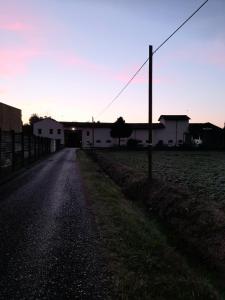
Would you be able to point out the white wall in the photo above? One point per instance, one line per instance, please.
(45, 126)
(140, 134)
(174, 130)
(102, 137)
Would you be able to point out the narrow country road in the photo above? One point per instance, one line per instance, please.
(48, 241)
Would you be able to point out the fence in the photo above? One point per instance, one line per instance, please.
(19, 149)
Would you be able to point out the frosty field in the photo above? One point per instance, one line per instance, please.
(202, 174)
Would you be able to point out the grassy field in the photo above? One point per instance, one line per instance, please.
(187, 197)
(200, 173)
(142, 263)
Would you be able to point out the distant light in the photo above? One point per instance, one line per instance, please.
(73, 128)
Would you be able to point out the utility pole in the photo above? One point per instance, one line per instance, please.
(150, 117)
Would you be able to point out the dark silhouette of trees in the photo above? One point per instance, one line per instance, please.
(34, 118)
(120, 129)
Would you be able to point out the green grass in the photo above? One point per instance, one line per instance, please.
(200, 173)
(142, 263)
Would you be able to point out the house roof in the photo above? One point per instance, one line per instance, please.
(86, 124)
(145, 125)
(109, 125)
(203, 126)
(174, 117)
(45, 119)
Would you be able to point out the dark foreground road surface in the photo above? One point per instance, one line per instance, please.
(48, 242)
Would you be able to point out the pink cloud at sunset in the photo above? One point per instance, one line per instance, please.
(15, 26)
(106, 72)
(16, 57)
(75, 60)
(14, 62)
(36, 42)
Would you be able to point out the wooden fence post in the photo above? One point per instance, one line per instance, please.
(35, 147)
(22, 148)
(37, 143)
(42, 146)
(0, 152)
(13, 149)
(29, 147)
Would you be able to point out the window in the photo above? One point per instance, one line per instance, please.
(180, 142)
(88, 133)
(98, 141)
(108, 141)
(59, 131)
(51, 131)
(39, 131)
(170, 142)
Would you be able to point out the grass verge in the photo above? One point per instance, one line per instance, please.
(143, 265)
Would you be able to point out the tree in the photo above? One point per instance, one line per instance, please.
(120, 129)
(34, 118)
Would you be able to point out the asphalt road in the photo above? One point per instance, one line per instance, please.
(49, 245)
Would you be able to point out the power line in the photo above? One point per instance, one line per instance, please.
(136, 73)
(126, 85)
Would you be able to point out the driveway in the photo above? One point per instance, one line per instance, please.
(49, 245)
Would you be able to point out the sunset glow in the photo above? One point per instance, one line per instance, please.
(68, 59)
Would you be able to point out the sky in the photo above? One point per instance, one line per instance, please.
(69, 58)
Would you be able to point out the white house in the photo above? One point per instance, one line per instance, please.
(52, 129)
(86, 134)
(175, 129)
(171, 131)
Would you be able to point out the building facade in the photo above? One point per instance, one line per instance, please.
(10, 118)
(170, 131)
(206, 135)
(175, 129)
(49, 128)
